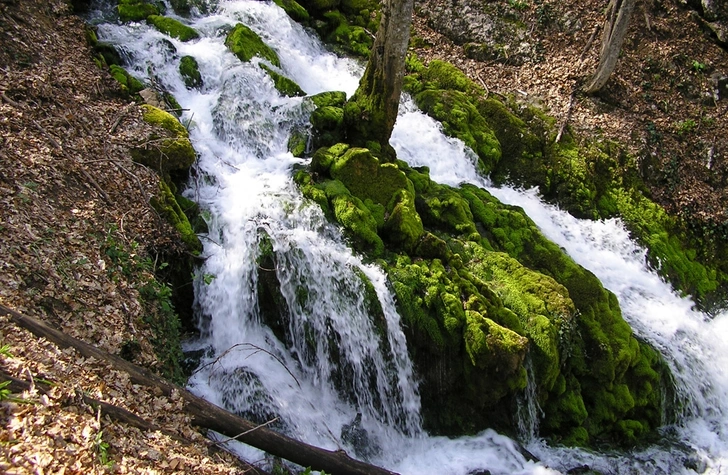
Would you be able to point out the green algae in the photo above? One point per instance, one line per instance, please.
(166, 205)
(294, 10)
(245, 44)
(173, 28)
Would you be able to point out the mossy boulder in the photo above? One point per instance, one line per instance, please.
(284, 85)
(129, 84)
(294, 10)
(167, 149)
(173, 28)
(136, 10)
(189, 69)
(245, 44)
(327, 118)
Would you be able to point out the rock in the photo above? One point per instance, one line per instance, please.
(136, 10)
(190, 71)
(358, 438)
(173, 27)
(245, 43)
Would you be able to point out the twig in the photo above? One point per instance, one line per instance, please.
(121, 116)
(50, 138)
(10, 101)
(589, 42)
(96, 185)
(224, 353)
(487, 91)
(572, 99)
(224, 441)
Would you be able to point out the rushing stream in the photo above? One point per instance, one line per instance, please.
(240, 125)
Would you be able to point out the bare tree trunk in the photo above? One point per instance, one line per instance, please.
(615, 27)
(371, 113)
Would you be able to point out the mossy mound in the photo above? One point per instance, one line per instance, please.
(327, 118)
(479, 289)
(245, 43)
(173, 27)
(189, 69)
(373, 201)
(136, 10)
(168, 150)
(129, 84)
(284, 85)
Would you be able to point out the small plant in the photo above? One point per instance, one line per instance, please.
(518, 4)
(686, 126)
(698, 67)
(102, 449)
(5, 351)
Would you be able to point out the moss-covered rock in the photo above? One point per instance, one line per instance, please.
(167, 150)
(129, 84)
(190, 72)
(173, 27)
(294, 10)
(245, 43)
(284, 85)
(166, 205)
(136, 10)
(460, 118)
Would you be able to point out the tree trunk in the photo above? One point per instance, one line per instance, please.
(208, 415)
(370, 114)
(615, 27)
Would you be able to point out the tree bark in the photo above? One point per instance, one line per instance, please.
(615, 27)
(370, 114)
(208, 415)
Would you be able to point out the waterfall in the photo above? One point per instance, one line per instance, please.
(330, 360)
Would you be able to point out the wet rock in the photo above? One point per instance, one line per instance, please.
(358, 438)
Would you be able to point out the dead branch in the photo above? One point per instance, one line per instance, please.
(206, 414)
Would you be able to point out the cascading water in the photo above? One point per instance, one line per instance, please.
(331, 359)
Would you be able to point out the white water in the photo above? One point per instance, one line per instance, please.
(240, 127)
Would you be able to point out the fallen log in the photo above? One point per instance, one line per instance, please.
(208, 415)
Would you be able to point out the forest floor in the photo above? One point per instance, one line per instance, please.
(660, 102)
(71, 200)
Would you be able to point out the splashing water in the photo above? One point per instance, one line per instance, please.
(338, 352)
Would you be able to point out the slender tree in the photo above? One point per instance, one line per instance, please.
(615, 27)
(370, 114)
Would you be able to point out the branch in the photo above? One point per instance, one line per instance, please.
(206, 414)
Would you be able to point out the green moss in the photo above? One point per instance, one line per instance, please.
(329, 98)
(129, 84)
(284, 85)
(245, 43)
(344, 35)
(166, 205)
(136, 10)
(190, 72)
(166, 151)
(298, 143)
(461, 119)
(294, 10)
(354, 216)
(173, 27)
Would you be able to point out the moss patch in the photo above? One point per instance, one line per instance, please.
(245, 43)
(168, 150)
(136, 10)
(173, 27)
(284, 85)
(190, 72)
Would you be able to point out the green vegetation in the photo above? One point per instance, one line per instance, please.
(245, 44)
(190, 71)
(129, 84)
(173, 27)
(136, 10)
(284, 85)
(160, 315)
(168, 150)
